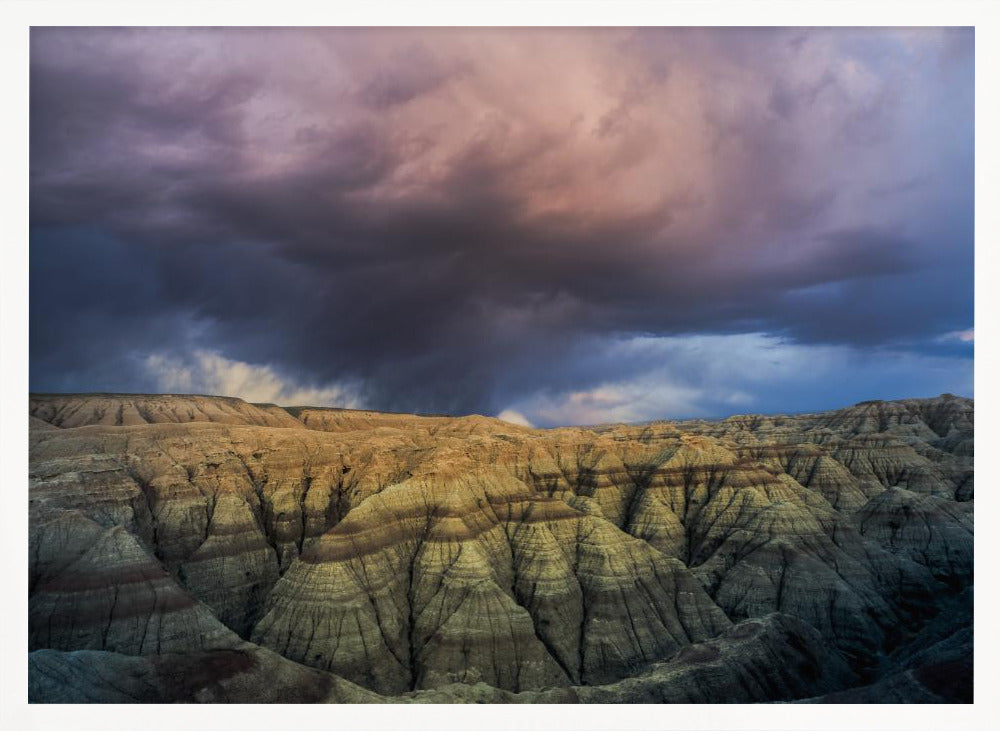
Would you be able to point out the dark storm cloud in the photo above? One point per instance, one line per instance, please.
(448, 217)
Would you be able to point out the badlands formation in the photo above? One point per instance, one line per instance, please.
(204, 549)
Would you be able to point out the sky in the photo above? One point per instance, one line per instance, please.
(554, 226)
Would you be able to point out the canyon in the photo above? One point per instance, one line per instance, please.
(187, 548)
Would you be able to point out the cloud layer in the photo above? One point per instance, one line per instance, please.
(452, 220)
(209, 373)
(692, 376)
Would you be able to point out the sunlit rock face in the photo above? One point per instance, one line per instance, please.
(189, 548)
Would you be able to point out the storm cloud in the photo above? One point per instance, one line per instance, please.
(481, 220)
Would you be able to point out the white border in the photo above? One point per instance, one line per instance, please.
(16, 16)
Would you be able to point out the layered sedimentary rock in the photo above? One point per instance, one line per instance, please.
(774, 658)
(109, 409)
(242, 674)
(113, 596)
(935, 667)
(925, 445)
(928, 529)
(451, 580)
(410, 555)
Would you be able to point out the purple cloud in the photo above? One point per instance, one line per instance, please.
(442, 215)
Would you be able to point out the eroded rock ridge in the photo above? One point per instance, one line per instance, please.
(198, 548)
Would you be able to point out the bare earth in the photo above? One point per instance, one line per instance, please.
(203, 549)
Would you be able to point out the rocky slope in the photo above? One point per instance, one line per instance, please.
(191, 547)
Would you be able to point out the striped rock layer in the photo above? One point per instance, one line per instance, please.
(362, 556)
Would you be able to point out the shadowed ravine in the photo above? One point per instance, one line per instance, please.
(199, 548)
